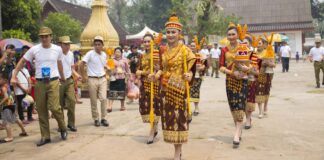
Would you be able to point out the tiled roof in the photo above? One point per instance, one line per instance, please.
(281, 27)
(270, 14)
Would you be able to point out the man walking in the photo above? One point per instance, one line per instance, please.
(96, 64)
(285, 53)
(48, 61)
(67, 92)
(215, 53)
(316, 55)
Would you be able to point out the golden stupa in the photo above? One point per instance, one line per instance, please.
(99, 25)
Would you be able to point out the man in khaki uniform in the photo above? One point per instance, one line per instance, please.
(316, 55)
(48, 61)
(67, 92)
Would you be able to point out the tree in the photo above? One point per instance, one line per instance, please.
(21, 14)
(317, 10)
(20, 34)
(62, 24)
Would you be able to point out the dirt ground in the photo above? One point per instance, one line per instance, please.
(294, 129)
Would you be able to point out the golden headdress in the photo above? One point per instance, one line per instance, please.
(148, 34)
(199, 44)
(158, 38)
(269, 50)
(255, 41)
(174, 23)
(242, 31)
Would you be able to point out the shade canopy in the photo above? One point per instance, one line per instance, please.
(141, 34)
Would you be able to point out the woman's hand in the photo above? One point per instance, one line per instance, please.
(187, 76)
(151, 77)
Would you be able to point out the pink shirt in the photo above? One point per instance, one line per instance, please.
(121, 68)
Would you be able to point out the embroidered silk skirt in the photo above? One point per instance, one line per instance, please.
(237, 91)
(144, 101)
(250, 106)
(175, 117)
(195, 90)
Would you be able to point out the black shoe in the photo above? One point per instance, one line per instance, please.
(323, 83)
(217, 76)
(64, 135)
(104, 123)
(96, 123)
(247, 127)
(196, 113)
(43, 142)
(236, 144)
(155, 134)
(149, 142)
(318, 86)
(72, 129)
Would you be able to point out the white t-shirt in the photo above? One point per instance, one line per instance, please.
(205, 52)
(317, 53)
(68, 62)
(96, 63)
(215, 53)
(22, 77)
(285, 50)
(45, 59)
(125, 54)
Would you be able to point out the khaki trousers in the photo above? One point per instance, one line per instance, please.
(67, 100)
(98, 89)
(47, 98)
(318, 66)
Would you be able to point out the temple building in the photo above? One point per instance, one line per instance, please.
(289, 17)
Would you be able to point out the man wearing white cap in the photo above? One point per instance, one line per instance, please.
(97, 82)
(316, 55)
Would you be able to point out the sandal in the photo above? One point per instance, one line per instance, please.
(109, 110)
(122, 109)
(23, 134)
(5, 141)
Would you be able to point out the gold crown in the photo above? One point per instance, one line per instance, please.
(231, 24)
(269, 50)
(241, 31)
(199, 44)
(173, 23)
(242, 53)
(255, 41)
(158, 38)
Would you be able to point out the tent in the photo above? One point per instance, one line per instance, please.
(141, 34)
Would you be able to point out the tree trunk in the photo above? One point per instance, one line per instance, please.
(0, 22)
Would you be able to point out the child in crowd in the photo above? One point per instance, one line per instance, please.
(8, 110)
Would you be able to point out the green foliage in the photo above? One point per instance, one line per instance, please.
(62, 24)
(200, 17)
(20, 34)
(21, 14)
(317, 10)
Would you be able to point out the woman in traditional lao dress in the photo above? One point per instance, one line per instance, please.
(143, 73)
(236, 86)
(266, 55)
(252, 83)
(175, 112)
(201, 63)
